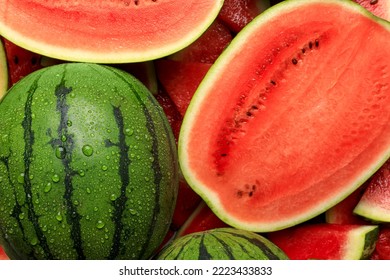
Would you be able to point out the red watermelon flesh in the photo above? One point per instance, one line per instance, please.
(174, 117)
(342, 213)
(3, 256)
(236, 14)
(187, 201)
(326, 241)
(180, 80)
(21, 62)
(208, 46)
(382, 248)
(375, 201)
(201, 219)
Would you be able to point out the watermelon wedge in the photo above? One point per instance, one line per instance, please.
(327, 241)
(295, 122)
(106, 31)
(375, 201)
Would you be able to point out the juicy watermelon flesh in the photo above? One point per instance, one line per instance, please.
(375, 201)
(236, 14)
(180, 80)
(382, 247)
(326, 241)
(294, 128)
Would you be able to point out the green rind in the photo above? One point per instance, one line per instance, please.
(222, 244)
(3, 71)
(116, 203)
(211, 198)
(372, 212)
(361, 243)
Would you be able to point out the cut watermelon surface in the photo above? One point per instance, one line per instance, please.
(291, 130)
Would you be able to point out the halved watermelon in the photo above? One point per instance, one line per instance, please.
(292, 117)
(327, 241)
(375, 201)
(106, 31)
(3, 71)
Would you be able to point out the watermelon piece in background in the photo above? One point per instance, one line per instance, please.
(3, 255)
(326, 241)
(207, 47)
(375, 201)
(342, 213)
(21, 62)
(236, 14)
(382, 248)
(187, 201)
(174, 117)
(201, 219)
(180, 80)
(380, 8)
(3, 71)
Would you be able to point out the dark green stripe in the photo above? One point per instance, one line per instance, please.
(155, 165)
(72, 216)
(226, 247)
(28, 154)
(203, 253)
(120, 203)
(261, 245)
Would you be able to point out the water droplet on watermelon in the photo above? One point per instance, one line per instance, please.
(87, 150)
(95, 209)
(34, 241)
(100, 224)
(112, 197)
(55, 178)
(21, 216)
(21, 178)
(88, 190)
(132, 211)
(81, 173)
(64, 138)
(129, 131)
(59, 217)
(104, 167)
(44, 228)
(60, 152)
(69, 123)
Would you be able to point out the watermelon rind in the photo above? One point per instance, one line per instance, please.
(222, 244)
(3, 71)
(372, 212)
(361, 242)
(79, 33)
(200, 98)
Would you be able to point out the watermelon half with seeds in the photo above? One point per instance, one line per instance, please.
(296, 120)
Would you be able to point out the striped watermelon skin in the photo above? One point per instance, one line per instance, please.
(222, 244)
(88, 166)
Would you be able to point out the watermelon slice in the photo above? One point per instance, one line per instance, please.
(382, 247)
(296, 120)
(375, 201)
(20, 61)
(106, 31)
(180, 80)
(342, 213)
(327, 241)
(208, 47)
(3, 71)
(236, 14)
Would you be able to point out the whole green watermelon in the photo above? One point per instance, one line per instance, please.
(88, 166)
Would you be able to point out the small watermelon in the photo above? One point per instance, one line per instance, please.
(327, 241)
(88, 166)
(221, 244)
(375, 201)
